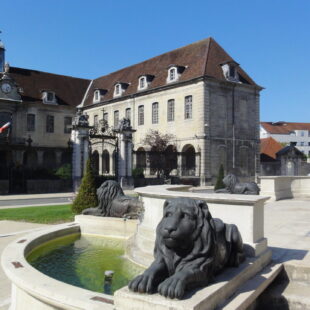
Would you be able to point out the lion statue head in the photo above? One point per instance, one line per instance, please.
(230, 181)
(190, 248)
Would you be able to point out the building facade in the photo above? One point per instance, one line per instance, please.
(38, 108)
(287, 133)
(196, 93)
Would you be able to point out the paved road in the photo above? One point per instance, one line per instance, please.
(16, 203)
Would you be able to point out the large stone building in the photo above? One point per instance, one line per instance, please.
(197, 93)
(39, 108)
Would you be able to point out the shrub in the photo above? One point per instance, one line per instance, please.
(64, 172)
(138, 173)
(219, 181)
(87, 196)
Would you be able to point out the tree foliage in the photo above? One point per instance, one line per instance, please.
(219, 181)
(87, 196)
(158, 144)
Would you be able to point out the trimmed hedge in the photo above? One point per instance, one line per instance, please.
(87, 196)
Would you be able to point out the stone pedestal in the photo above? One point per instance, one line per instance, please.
(125, 154)
(80, 144)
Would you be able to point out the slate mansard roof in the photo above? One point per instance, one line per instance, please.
(202, 58)
(68, 90)
(284, 128)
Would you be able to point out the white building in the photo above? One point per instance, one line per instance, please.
(285, 132)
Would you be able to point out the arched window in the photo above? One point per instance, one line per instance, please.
(189, 160)
(141, 158)
(30, 159)
(95, 162)
(105, 162)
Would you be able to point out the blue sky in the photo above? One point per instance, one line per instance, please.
(269, 38)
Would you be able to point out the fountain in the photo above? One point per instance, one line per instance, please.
(32, 289)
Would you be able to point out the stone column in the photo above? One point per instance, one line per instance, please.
(134, 159)
(122, 155)
(80, 140)
(197, 162)
(147, 163)
(180, 164)
(125, 159)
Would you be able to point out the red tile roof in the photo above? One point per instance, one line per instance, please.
(68, 90)
(203, 58)
(284, 127)
(270, 147)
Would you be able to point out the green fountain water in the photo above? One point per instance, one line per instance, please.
(83, 260)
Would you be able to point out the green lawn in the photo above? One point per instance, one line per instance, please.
(42, 214)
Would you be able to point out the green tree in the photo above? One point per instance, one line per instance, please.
(219, 181)
(158, 143)
(87, 196)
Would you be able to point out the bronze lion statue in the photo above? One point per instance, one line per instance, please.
(113, 202)
(232, 186)
(190, 249)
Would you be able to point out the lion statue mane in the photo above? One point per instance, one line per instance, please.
(232, 186)
(190, 249)
(113, 202)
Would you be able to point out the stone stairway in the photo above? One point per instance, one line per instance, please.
(290, 290)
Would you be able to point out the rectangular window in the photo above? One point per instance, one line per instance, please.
(49, 123)
(116, 118)
(170, 110)
(188, 107)
(301, 143)
(172, 74)
(128, 113)
(31, 122)
(67, 124)
(105, 117)
(50, 96)
(155, 113)
(95, 120)
(302, 133)
(142, 82)
(141, 115)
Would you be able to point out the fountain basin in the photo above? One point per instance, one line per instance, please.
(32, 289)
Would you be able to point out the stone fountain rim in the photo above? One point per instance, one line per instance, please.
(170, 191)
(41, 286)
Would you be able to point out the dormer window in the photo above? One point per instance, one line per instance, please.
(230, 71)
(119, 89)
(98, 95)
(144, 81)
(174, 73)
(49, 97)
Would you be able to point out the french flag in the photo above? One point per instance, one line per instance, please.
(5, 126)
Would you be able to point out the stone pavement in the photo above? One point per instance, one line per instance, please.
(9, 231)
(287, 227)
